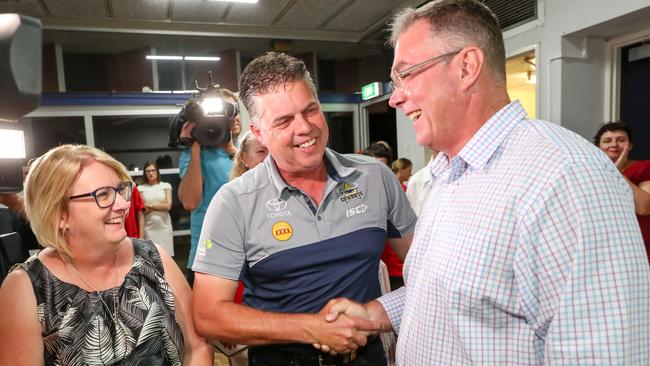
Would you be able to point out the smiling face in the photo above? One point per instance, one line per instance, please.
(427, 96)
(613, 143)
(292, 126)
(87, 221)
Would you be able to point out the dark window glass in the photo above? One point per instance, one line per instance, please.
(134, 140)
(170, 75)
(86, 72)
(44, 133)
(341, 125)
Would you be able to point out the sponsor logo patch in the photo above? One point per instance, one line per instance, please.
(349, 191)
(276, 204)
(356, 210)
(208, 244)
(282, 231)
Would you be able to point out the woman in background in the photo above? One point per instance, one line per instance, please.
(157, 202)
(403, 169)
(250, 153)
(615, 140)
(93, 296)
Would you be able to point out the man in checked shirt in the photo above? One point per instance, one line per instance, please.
(527, 251)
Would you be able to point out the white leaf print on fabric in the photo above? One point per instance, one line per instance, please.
(98, 348)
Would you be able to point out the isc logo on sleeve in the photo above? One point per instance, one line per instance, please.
(282, 231)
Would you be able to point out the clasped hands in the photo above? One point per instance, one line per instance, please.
(344, 326)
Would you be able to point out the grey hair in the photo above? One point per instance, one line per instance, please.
(461, 22)
(267, 73)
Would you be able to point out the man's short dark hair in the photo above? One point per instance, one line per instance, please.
(266, 74)
(611, 127)
(379, 150)
(461, 22)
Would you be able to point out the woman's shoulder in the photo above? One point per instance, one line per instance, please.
(32, 266)
(165, 185)
(148, 251)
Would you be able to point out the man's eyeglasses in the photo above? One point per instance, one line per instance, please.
(105, 196)
(398, 77)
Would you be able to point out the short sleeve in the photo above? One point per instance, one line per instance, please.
(221, 249)
(165, 185)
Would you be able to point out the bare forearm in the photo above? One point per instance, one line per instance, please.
(202, 355)
(239, 324)
(401, 245)
(191, 186)
(162, 206)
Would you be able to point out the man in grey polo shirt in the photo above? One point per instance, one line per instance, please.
(306, 226)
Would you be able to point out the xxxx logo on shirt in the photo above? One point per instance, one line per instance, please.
(282, 231)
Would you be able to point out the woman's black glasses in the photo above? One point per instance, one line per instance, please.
(105, 196)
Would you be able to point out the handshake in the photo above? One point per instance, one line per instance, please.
(345, 325)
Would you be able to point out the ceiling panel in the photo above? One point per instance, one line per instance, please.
(309, 14)
(77, 8)
(262, 13)
(199, 11)
(363, 13)
(141, 9)
(26, 7)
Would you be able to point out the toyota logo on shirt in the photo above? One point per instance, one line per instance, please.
(276, 204)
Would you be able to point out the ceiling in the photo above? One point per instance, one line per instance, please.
(333, 28)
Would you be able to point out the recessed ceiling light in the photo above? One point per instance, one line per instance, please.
(161, 57)
(239, 1)
(202, 58)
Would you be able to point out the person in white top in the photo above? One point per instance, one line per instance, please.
(418, 187)
(157, 197)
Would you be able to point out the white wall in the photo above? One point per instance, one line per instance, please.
(572, 47)
(406, 142)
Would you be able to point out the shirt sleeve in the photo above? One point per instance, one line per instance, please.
(401, 218)
(183, 162)
(393, 303)
(220, 250)
(581, 270)
(165, 185)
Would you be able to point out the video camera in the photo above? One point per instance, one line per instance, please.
(211, 112)
(20, 92)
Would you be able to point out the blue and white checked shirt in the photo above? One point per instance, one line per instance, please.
(527, 252)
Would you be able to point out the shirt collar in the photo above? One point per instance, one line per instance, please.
(485, 142)
(335, 171)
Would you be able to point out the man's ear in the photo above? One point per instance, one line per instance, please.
(258, 134)
(472, 64)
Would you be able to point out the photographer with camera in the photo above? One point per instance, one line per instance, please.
(206, 164)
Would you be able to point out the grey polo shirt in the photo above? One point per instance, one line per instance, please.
(293, 256)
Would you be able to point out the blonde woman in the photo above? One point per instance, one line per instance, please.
(403, 169)
(250, 153)
(157, 197)
(93, 296)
